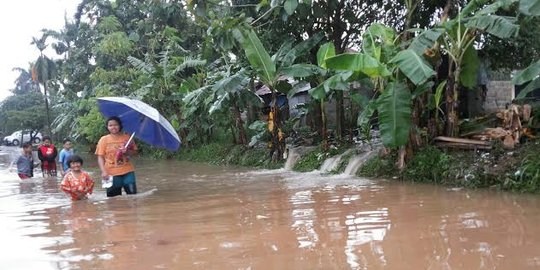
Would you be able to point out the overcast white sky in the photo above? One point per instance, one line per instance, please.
(20, 20)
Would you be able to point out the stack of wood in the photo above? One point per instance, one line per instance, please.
(509, 130)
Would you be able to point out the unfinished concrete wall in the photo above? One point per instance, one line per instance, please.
(499, 93)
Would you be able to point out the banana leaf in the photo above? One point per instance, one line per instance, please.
(394, 107)
(413, 66)
(257, 56)
(530, 7)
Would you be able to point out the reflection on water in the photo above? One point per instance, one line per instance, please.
(193, 216)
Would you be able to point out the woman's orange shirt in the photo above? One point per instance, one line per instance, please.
(108, 146)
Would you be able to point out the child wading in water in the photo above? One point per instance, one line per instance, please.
(47, 154)
(25, 162)
(77, 183)
(65, 153)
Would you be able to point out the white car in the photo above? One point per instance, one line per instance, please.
(15, 138)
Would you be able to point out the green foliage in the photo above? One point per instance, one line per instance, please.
(185, 61)
(109, 25)
(92, 125)
(414, 66)
(377, 38)
(45, 69)
(110, 78)
(358, 62)
(226, 154)
(22, 111)
(212, 153)
(116, 45)
(258, 56)
(259, 158)
(152, 152)
(429, 165)
(326, 51)
(310, 161)
(394, 106)
(345, 159)
(378, 167)
(499, 26)
(315, 158)
(529, 7)
(425, 40)
(518, 52)
(261, 133)
(526, 177)
(24, 83)
(527, 75)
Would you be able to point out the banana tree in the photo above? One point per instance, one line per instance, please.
(392, 72)
(325, 88)
(270, 70)
(531, 74)
(455, 38)
(160, 76)
(232, 93)
(197, 101)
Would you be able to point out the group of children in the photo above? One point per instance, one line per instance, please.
(76, 182)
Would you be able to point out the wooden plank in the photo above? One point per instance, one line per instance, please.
(461, 140)
(462, 145)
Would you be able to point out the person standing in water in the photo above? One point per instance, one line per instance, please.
(65, 153)
(113, 158)
(47, 155)
(25, 162)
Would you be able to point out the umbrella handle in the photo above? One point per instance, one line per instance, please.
(129, 141)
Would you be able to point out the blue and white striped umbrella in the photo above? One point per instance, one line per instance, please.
(141, 119)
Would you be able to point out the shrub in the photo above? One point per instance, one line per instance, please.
(310, 161)
(430, 165)
(378, 167)
(527, 176)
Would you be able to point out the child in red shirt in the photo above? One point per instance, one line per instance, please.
(77, 183)
(47, 155)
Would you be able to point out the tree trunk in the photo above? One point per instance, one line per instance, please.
(406, 151)
(233, 133)
(351, 123)
(47, 108)
(252, 115)
(278, 143)
(324, 133)
(451, 97)
(183, 132)
(242, 138)
(339, 114)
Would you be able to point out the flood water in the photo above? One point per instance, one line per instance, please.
(194, 216)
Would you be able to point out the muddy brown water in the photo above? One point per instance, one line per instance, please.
(195, 216)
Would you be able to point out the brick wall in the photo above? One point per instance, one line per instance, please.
(499, 93)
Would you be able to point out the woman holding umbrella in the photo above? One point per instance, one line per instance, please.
(113, 151)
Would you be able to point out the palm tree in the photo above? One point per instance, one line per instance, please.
(24, 83)
(43, 71)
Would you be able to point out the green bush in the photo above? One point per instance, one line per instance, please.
(226, 154)
(378, 167)
(429, 165)
(213, 153)
(310, 161)
(527, 175)
(345, 159)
